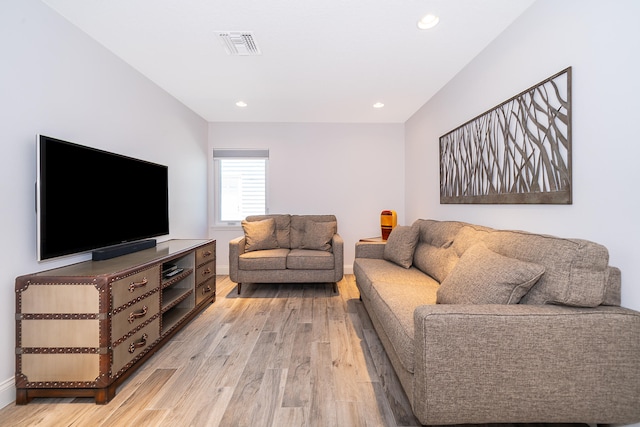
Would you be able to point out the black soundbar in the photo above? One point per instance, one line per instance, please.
(122, 249)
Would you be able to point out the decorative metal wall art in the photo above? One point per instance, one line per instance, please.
(516, 153)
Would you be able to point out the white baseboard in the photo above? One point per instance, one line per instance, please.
(7, 392)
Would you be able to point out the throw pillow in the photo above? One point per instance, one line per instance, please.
(259, 235)
(318, 235)
(485, 277)
(400, 245)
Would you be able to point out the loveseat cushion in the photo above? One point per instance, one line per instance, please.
(318, 235)
(299, 223)
(259, 235)
(269, 259)
(305, 259)
(400, 245)
(485, 277)
(283, 227)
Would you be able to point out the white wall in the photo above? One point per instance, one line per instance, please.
(600, 40)
(353, 171)
(56, 81)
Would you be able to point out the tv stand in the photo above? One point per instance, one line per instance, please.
(81, 330)
(122, 249)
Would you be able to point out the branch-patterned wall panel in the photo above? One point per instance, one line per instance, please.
(517, 152)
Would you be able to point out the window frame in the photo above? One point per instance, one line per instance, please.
(235, 154)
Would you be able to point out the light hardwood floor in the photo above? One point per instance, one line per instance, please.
(276, 355)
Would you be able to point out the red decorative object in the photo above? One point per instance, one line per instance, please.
(388, 221)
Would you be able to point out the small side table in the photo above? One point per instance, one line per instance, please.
(373, 240)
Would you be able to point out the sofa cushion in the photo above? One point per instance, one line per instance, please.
(394, 304)
(434, 254)
(260, 235)
(394, 292)
(434, 261)
(400, 245)
(576, 270)
(305, 259)
(369, 270)
(318, 235)
(485, 277)
(269, 259)
(438, 233)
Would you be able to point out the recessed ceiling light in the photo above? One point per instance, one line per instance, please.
(428, 21)
(378, 105)
(241, 104)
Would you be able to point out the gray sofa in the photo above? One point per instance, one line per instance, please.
(496, 326)
(287, 249)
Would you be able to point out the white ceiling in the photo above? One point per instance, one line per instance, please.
(321, 61)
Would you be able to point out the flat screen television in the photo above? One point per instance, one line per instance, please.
(89, 199)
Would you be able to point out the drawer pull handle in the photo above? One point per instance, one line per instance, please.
(135, 285)
(206, 289)
(207, 271)
(137, 314)
(207, 253)
(139, 343)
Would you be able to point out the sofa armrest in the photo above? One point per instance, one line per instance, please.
(236, 248)
(531, 363)
(370, 249)
(337, 246)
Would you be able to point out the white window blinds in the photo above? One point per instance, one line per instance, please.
(241, 183)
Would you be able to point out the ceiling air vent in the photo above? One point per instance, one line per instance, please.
(239, 43)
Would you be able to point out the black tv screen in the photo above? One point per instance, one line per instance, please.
(89, 198)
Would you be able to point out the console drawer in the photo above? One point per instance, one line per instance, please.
(131, 287)
(204, 273)
(205, 254)
(205, 290)
(135, 346)
(134, 315)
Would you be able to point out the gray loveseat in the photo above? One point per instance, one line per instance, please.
(287, 249)
(495, 326)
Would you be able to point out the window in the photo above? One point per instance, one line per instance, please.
(240, 184)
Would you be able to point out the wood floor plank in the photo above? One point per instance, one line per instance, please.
(394, 393)
(322, 411)
(290, 417)
(306, 304)
(297, 391)
(150, 417)
(249, 383)
(127, 413)
(203, 400)
(343, 365)
(375, 413)
(320, 320)
(285, 339)
(348, 414)
(178, 385)
(365, 360)
(268, 398)
(210, 415)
